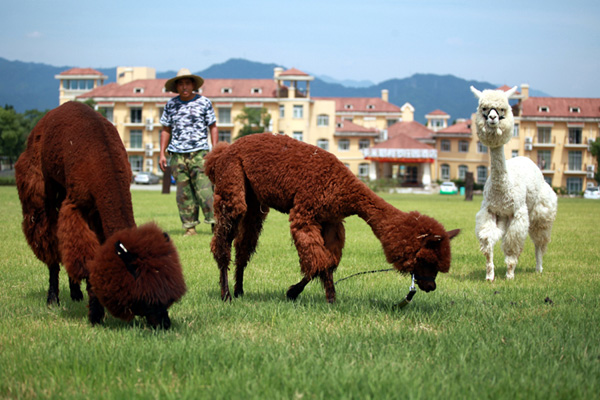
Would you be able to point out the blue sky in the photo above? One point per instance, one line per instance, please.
(554, 46)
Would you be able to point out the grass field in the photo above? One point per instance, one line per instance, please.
(537, 337)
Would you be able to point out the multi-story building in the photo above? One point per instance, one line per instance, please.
(344, 126)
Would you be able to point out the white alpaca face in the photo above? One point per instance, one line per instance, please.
(494, 119)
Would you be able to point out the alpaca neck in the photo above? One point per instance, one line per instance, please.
(376, 212)
(498, 173)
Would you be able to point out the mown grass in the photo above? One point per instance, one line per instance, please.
(536, 337)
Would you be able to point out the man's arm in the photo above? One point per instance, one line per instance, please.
(165, 137)
(214, 133)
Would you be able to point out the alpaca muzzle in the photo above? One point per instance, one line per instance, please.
(425, 283)
(127, 257)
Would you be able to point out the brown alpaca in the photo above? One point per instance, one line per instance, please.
(73, 181)
(265, 170)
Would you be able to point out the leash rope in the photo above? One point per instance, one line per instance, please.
(362, 273)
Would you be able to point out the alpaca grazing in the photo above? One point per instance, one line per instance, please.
(516, 199)
(73, 181)
(260, 171)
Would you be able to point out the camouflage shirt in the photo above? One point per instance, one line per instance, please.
(189, 122)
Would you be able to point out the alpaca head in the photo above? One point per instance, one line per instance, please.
(137, 272)
(419, 245)
(494, 118)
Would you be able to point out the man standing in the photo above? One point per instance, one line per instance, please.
(188, 120)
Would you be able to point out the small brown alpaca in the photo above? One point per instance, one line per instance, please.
(265, 170)
(73, 181)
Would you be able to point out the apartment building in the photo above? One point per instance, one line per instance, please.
(342, 126)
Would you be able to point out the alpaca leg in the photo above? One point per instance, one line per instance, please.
(541, 220)
(315, 258)
(95, 309)
(514, 240)
(77, 242)
(75, 290)
(246, 240)
(488, 234)
(334, 236)
(53, 284)
(295, 290)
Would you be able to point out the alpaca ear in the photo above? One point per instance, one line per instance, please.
(167, 237)
(453, 233)
(476, 92)
(510, 92)
(127, 258)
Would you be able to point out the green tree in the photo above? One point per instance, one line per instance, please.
(595, 149)
(255, 120)
(14, 129)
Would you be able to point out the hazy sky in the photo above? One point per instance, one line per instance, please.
(554, 46)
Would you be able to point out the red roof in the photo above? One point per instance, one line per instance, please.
(571, 107)
(293, 71)
(347, 126)
(438, 112)
(81, 71)
(402, 142)
(411, 129)
(462, 127)
(362, 104)
(505, 88)
(212, 88)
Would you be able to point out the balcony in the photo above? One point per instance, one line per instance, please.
(545, 168)
(574, 170)
(545, 144)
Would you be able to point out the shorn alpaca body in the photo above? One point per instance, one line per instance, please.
(263, 171)
(516, 199)
(73, 181)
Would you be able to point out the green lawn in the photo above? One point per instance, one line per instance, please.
(536, 337)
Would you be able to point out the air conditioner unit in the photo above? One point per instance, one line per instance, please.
(149, 146)
(149, 124)
(528, 140)
(149, 162)
(149, 149)
(591, 168)
(528, 147)
(590, 175)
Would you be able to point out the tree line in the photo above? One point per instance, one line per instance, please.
(14, 130)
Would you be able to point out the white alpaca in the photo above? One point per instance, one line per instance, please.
(516, 199)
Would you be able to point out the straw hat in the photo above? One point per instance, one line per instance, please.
(171, 85)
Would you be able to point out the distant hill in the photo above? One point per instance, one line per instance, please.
(28, 86)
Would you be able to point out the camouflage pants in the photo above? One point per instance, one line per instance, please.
(194, 189)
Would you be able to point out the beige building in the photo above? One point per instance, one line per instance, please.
(343, 126)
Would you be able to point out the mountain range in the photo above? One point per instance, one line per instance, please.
(27, 86)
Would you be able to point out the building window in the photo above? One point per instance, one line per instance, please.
(281, 111)
(298, 111)
(463, 146)
(137, 163)
(445, 172)
(348, 106)
(298, 136)
(78, 84)
(544, 134)
(574, 161)
(364, 144)
(574, 109)
(391, 122)
(544, 109)
(574, 135)
(370, 107)
(445, 145)
(135, 139)
(543, 159)
(224, 115)
(574, 185)
(135, 115)
(226, 90)
(516, 130)
(256, 90)
(514, 153)
(322, 120)
(481, 148)
(138, 90)
(462, 172)
(225, 136)
(481, 174)
(107, 112)
(344, 145)
(363, 170)
(323, 143)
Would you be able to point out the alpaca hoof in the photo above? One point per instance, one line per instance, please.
(292, 293)
(159, 321)
(76, 295)
(52, 299)
(510, 276)
(226, 296)
(238, 293)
